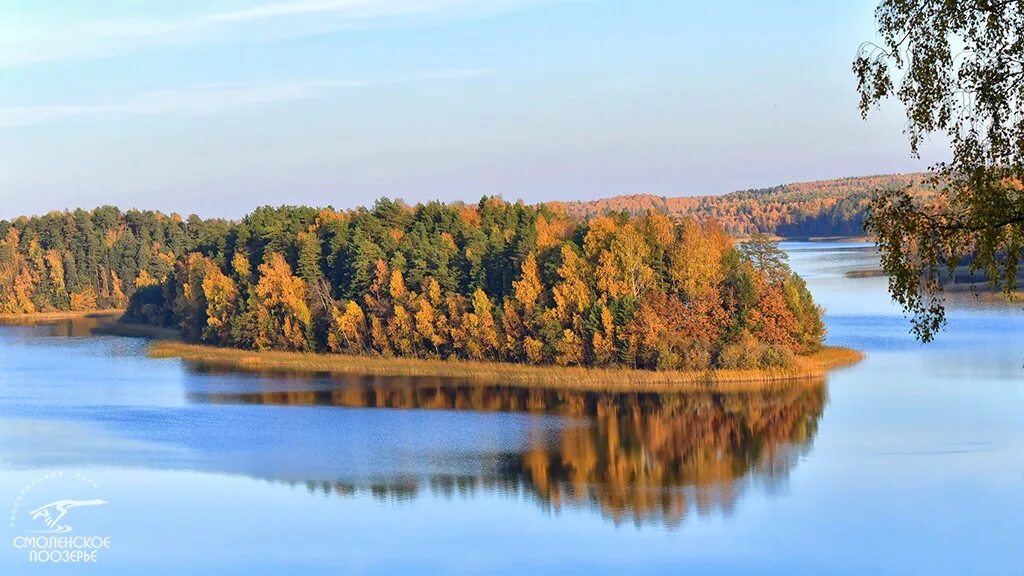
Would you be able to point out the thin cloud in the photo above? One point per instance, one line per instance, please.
(33, 41)
(307, 7)
(213, 99)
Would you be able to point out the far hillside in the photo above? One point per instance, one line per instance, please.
(807, 209)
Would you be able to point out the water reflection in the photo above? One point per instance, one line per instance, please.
(918, 461)
(646, 458)
(75, 326)
(638, 457)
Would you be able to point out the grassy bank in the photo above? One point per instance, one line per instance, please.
(808, 368)
(37, 317)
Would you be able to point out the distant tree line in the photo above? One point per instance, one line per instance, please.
(811, 209)
(491, 281)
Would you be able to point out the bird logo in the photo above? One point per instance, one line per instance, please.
(51, 514)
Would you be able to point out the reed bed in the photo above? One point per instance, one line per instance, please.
(808, 368)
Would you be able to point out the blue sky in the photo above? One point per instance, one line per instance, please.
(216, 107)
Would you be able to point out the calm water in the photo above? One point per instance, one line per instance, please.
(911, 462)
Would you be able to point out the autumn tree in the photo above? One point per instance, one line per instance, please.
(603, 337)
(620, 256)
(16, 283)
(348, 329)
(475, 335)
(572, 294)
(282, 315)
(401, 326)
(222, 299)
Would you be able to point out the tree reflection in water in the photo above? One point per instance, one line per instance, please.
(648, 458)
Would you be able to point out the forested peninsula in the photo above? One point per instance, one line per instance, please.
(487, 282)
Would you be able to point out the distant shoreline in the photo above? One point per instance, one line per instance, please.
(37, 317)
(817, 239)
(983, 292)
(980, 290)
(866, 273)
(808, 368)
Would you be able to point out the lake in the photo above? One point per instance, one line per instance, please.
(911, 462)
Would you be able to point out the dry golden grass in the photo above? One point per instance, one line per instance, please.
(37, 317)
(809, 368)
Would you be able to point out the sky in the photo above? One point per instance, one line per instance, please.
(219, 106)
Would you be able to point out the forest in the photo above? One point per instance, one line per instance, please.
(489, 281)
(808, 209)
(88, 260)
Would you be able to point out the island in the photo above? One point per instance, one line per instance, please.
(535, 295)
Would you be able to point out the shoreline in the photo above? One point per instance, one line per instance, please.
(57, 316)
(810, 368)
(167, 343)
(815, 239)
(980, 291)
(865, 273)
